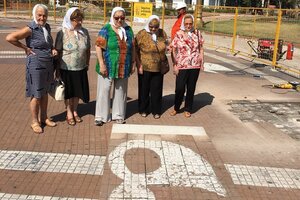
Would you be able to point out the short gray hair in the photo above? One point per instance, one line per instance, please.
(39, 6)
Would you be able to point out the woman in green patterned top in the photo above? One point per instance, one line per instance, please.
(115, 53)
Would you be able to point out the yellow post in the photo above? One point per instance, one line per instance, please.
(104, 11)
(196, 16)
(17, 7)
(253, 29)
(213, 29)
(234, 30)
(277, 38)
(163, 15)
(4, 4)
(54, 12)
(30, 14)
(79, 4)
(131, 13)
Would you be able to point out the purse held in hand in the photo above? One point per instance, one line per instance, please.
(59, 91)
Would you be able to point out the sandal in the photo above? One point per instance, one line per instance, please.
(144, 114)
(36, 128)
(49, 123)
(77, 119)
(71, 121)
(99, 123)
(187, 114)
(156, 116)
(121, 121)
(173, 112)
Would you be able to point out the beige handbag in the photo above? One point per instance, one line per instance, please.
(59, 91)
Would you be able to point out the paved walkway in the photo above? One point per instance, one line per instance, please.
(212, 155)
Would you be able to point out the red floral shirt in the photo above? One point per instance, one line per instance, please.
(188, 47)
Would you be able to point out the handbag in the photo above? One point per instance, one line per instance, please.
(59, 91)
(163, 63)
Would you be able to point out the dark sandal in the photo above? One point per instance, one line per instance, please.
(71, 121)
(77, 119)
(36, 128)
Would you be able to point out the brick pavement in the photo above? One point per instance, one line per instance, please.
(235, 160)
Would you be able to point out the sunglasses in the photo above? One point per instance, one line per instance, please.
(121, 17)
(153, 27)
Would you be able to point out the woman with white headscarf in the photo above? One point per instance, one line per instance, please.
(115, 53)
(73, 46)
(39, 65)
(187, 49)
(151, 45)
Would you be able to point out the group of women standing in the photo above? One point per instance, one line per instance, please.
(119, 53)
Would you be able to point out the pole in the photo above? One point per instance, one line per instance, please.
(104, 12)
(163, 15)
(277, 38)
(54, 12)
(4, 8)
(199, 3)
(30, 15)
(234, 30)
(131, 13)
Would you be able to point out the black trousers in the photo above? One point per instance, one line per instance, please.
(186, 80)
(150, 92)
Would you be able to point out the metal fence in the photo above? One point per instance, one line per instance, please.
(255, 33)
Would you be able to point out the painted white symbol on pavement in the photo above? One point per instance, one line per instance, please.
(180, 166)
(264, 176)
(51, 162)
(214, 68)
(7, 196)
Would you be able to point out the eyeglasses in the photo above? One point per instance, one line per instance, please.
(77, 20)
(153, 27)
(117, 18)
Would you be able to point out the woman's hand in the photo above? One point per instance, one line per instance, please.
(140, 69)
(29, 51)
(103, 69)
(175, 70)
(54, 52)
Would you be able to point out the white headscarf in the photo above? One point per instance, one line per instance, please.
(68, 24)
(45, 31)
(182, 23)
(154, 36)
(121, 30)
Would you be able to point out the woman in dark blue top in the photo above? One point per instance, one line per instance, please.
(39, 64)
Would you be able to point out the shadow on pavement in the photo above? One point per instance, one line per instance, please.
(201, 100)
(83, 109)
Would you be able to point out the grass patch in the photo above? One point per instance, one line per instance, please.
(289, 31)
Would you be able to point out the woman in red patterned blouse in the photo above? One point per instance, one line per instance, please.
(187, 49)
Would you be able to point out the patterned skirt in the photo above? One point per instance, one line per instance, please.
(39, 75)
